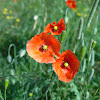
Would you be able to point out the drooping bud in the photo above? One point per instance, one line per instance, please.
(9, 58)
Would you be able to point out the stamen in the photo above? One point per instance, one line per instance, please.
(70, 4)
(65, 64)
(45, 47)
(55, 28)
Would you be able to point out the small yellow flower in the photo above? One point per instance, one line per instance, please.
(30, 94)
(75, 10)
(10, 12)
(79, 14)
(85, 9)
(89, 0)
(4, 12)
(5, 9)
(7, 17)
(17, 20)
(85, 15)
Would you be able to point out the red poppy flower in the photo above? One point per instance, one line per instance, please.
(42, 47)
(66, 66)
(54, 28)
(71, 4)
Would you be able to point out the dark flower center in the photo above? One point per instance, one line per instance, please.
(64, 64)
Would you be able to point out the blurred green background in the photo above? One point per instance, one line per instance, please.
(30, 80)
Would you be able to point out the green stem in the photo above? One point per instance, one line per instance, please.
(1, 95)
(5, 94)
(10, 64)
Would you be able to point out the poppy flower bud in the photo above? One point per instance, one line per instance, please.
(66, 20)
(9, 58)
(83, 51)
(35, 17)
(93, 44)
(6, 83)
(12, 72)
(22, 52)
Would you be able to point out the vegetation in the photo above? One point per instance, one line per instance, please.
(21, 77)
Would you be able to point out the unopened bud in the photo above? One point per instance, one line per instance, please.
(66, 20)
(83, 51)
(6, 83)
(93, 43)
(9, 58)
(22, 52)
(12, 72)
(35, 17)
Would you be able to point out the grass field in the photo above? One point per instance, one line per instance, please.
(30, 80)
